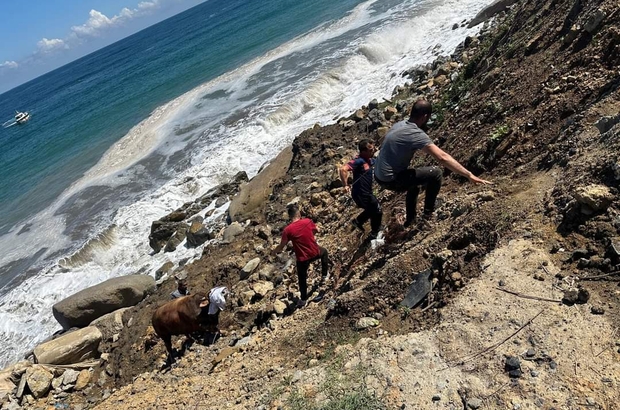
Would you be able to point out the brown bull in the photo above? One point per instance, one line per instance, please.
(181, 316)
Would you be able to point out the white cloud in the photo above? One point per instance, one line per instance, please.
(51, 45)
(98, 22)
(9, 64)
(96, 26)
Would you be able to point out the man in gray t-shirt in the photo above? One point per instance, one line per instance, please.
(392, 166)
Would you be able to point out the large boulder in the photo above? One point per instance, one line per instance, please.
(80, 309)
(70, 348)
(491, 10)
(253, 194)
(110, 324)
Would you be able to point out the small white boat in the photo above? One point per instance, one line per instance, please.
(21, 117)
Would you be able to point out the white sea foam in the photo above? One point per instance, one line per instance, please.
(365, 68)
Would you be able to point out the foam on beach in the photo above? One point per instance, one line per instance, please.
(235, 122)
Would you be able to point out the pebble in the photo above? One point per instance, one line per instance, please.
(553, 365)
(590, 401)
(534, 373)
(502, 282)
(474, 403)
(512, 363)
(436, 397)
(530, 353)
(597, 310)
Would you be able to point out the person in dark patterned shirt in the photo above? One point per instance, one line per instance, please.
(361, 188)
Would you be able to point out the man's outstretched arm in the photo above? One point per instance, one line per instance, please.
(453, 165)
(280, 247)
(343, 171)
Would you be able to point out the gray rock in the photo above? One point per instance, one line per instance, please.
(347, 124)
(160, 233)
(491, 10)
(597, 310)
(80, 309)
(69, 377)
(39, 381)
(179, 236)
(268, 272)
(373, 104)
(197, 234)
(570, 297)
(233, 230)
(534, 373)
(21, 386)
(436, 397)
(604, 124)
(253, 195)
(11, 406)
(279, 307)
(249, 268)
(164, 269)
(366, 322)
(512, 363)
(70, 348)
(245, 298)
(594, 21)
(262, 288)
(245, 341)
(56, 383)
(110, 324)
(474, 403)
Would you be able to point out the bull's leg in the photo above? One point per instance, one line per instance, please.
(168, 343)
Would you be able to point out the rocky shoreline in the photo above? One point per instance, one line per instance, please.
(536, 254)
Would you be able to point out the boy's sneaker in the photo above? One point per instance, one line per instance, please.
(356, 225)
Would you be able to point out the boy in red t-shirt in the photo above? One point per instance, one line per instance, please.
(301, 233)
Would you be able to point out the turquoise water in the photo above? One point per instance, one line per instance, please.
(129, 133)
(81, 109)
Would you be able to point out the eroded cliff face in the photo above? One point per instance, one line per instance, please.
(532, 104)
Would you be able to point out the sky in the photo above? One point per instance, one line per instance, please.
(41, 35)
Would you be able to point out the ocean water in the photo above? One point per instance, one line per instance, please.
(123, 136)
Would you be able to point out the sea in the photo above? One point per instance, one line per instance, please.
(127, 134)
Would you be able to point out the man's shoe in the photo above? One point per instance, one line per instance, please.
(373, 235)
(357, 225)
(425, 223)
(301, 303)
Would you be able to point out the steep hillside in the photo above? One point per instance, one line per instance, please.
(532, 104)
